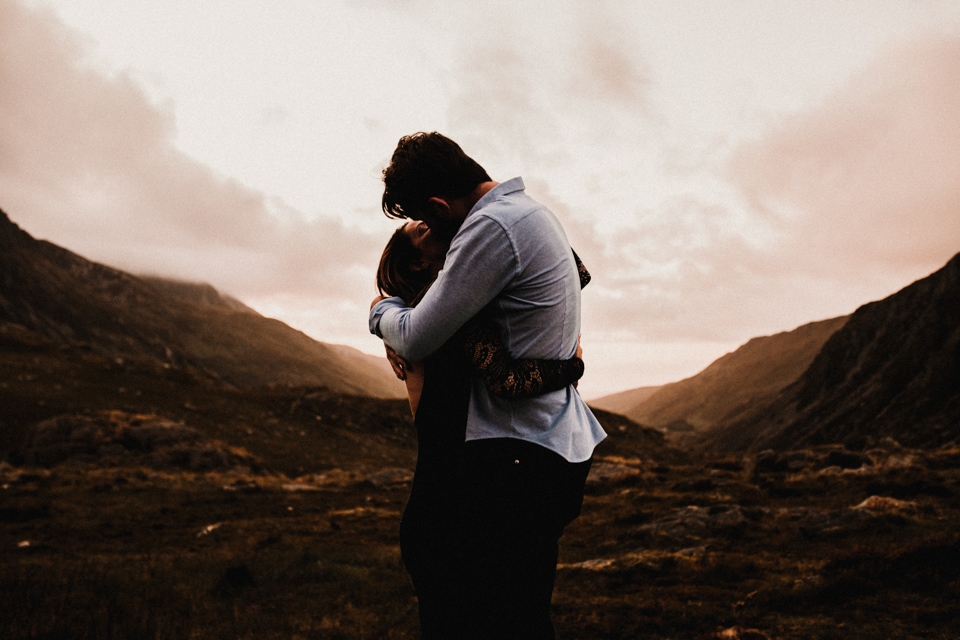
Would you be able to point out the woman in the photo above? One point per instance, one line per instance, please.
(439, 393)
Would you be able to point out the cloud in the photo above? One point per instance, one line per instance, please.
(537, 95)
(569, 104)
(840, 204)
(87, 161)
(869, 179)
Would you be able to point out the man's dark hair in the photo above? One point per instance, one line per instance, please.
(424, 166)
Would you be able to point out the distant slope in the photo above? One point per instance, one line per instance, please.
(736, 383)
(65, 298)
(623, 401)
(295, 430)
(199, 293)
(377, 363)
(892, 370)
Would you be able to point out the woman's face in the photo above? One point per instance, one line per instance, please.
(432, 249)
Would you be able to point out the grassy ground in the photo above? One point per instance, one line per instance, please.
(123, 554)
(668, 546)
(784, 555)
(133, 553)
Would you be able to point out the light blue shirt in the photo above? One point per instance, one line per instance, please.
(510, 253)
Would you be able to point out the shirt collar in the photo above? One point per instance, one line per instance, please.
(510, 186)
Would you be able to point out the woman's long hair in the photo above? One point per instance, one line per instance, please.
(396, 275)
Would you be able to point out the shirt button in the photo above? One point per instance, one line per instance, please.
(516, 462)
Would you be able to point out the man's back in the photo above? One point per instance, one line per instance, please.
(538, 313)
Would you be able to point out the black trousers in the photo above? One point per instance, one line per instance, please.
(518, 497)
(479, 537)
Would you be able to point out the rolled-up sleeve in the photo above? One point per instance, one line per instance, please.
(376, 313)
(481, 262)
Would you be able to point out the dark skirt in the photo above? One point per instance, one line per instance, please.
(431, 529)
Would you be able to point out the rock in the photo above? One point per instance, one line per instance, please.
(889, 444)
(695, 522)
(830, 471)
(788, 461)
(596, 564)
(883, 504)
(390, 476)
(947, 457)
(611, 473)
(244, 486)
(813, 523)
(900, 462)
(847, 459)
(332, 478)
(295, 487)
(207, 458)
(152, 434)
(740, 633)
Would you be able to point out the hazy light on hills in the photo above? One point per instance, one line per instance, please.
(716, 191)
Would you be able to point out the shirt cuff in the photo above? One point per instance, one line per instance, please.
(376, 313)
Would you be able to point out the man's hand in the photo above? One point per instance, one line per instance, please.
(400, 366)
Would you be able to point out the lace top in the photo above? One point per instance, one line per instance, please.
(514, 378)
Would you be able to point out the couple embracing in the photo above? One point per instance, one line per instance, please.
(482, 322)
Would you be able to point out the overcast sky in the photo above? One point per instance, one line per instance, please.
(725, 170)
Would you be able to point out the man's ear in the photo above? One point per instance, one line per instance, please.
(441, 208)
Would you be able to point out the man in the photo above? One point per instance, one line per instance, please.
(526, 460)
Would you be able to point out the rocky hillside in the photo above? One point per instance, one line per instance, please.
(732, 386)
(892, 371)
(60, 297)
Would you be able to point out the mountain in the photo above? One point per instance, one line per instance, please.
(624, 401)
(732, 386)
(61, 297)
(893, 370)
(196, 293)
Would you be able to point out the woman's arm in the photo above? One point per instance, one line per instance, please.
(507, 377)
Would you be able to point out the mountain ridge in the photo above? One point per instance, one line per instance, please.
(731, 385)
(624, 401)
(61, 296)
(892, 371)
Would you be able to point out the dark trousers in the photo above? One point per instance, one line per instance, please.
(479, 537)
(518, 497)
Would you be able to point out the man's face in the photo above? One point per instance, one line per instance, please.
(442, 219)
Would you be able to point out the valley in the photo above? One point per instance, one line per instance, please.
(174, 465)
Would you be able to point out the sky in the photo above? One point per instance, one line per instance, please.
(725, 170)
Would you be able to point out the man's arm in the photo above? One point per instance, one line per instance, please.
(479, 265)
